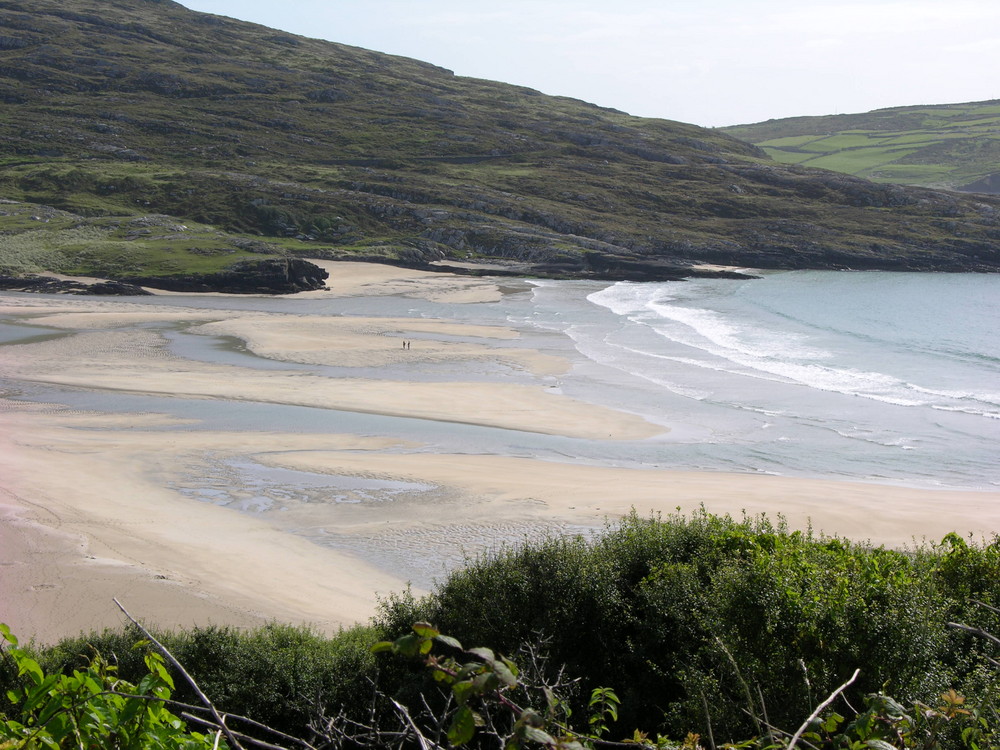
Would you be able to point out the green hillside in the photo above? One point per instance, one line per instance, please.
(953, 146)
(229, 132)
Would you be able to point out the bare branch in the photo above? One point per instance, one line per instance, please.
(820, 707)
(277, 733)
(190, 680)
(425, 744)
(246, 738)
(763, 710)
(189, 707)
(974, 631)
(439, 728)
(985, 606)
(746, 687)
(805, 676)
(708, 722)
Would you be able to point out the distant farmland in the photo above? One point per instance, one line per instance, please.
(954, 146)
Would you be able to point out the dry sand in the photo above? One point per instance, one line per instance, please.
(95, 506)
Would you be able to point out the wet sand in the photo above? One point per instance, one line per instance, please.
(102, 505)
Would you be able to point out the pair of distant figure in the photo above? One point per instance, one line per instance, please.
(406, 344)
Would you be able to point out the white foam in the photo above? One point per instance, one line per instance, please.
(725, 344)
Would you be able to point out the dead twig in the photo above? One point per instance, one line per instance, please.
(980, 633)
(246, 738)
(425, 744)
(187, 707)
(743, 683)
(984, 605)
(832, 697)
(708, 722)
(974, 631)
(234, 743)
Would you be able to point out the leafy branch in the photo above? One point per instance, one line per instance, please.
(478, 676)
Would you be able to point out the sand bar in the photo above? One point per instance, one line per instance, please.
(102, 505)
(372, 279)
(138, 361)
(89, 516)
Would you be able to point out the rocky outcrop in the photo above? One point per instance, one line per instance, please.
(268, 276)
(989, 184)
(50, 285)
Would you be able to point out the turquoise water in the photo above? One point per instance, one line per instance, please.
(875, 376)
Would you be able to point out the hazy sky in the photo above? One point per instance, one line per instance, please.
(709, 62)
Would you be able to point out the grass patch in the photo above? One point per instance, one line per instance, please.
(37, 238)
(859, 161)
(947, 138)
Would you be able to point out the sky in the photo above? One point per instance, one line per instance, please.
(707, 62)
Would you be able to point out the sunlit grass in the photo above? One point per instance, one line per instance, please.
(948, 145)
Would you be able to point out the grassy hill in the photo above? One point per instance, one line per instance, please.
(242, 139)
(955, 146)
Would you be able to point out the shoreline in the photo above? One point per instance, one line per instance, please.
(97, 504)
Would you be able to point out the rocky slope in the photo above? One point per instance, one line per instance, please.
(135, 107)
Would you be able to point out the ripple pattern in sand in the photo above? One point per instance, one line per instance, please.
(419, 532)
(245, 485)
(426, 553)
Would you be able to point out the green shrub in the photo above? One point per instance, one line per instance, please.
(707, 618)
(92, 707)
(279, 675)
(704, 625)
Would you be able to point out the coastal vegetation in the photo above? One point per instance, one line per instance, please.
(660, 631)
(260, 141)
(954, 146)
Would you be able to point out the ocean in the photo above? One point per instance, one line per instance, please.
(872, 376)
(889, 377)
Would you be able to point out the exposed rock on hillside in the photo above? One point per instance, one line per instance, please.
(269, 276)
(50, 285)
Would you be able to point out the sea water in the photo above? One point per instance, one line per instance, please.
(875, 376)
(890, 377)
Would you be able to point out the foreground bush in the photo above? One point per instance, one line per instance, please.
(712, 623)
(278, 674)
(725, 629)
(93, 707)
(491, 703)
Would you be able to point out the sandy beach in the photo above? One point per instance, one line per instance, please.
(102, 504)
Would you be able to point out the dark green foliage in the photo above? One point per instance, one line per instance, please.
(279, 675)
(742, 616)
(742, 623)
(492, 704)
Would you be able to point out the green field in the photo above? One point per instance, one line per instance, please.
(950, 146)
